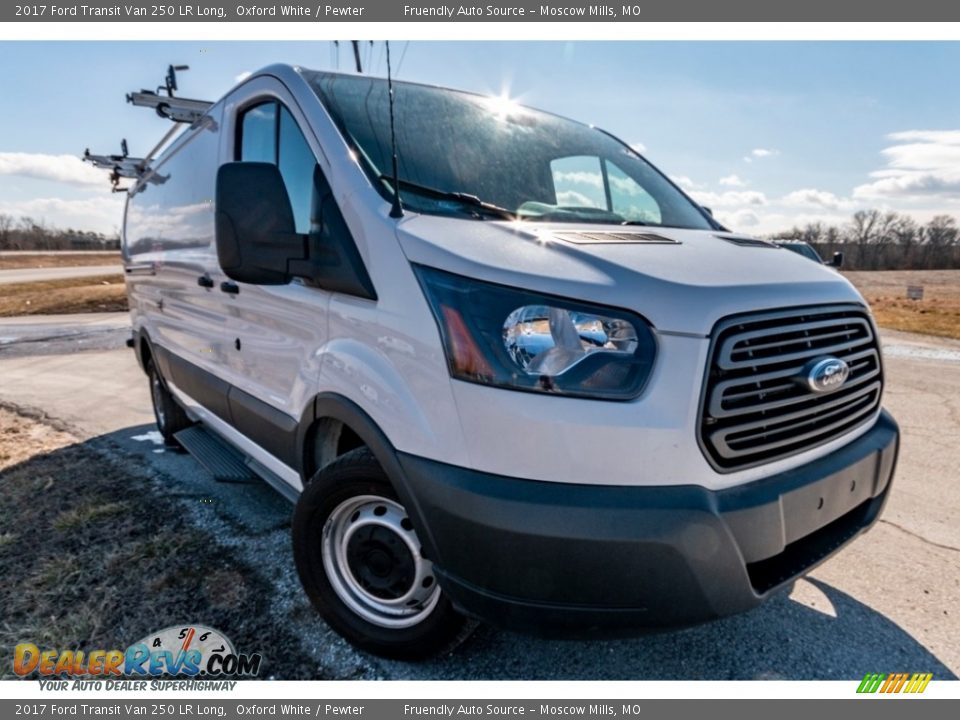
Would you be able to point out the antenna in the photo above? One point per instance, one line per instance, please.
(397, 210)
(356, 54)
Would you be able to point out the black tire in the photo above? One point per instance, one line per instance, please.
(170, 417)
(353, 490)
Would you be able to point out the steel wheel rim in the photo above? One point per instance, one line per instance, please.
(367, 541)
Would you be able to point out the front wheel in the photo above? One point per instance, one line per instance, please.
(362, 565)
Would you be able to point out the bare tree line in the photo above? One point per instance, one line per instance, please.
(872, 240)
(876, 240)
(28, 234)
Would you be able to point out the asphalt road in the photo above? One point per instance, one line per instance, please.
(53, 334)
(889, 602)
(25, 275)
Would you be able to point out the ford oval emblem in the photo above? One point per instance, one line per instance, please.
(827, 374)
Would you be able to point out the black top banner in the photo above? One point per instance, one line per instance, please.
(503, 11)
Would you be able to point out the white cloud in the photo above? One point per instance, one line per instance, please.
(684, 182)
(811, 197)
(763, 152)
(739, 219)
(732, 181)
(571, 198)
(97, 214)
(923, 164)
(729, 198)
(243, 76)
(947, 137)
(579, 177)
(68, 169)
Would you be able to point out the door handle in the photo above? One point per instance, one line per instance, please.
(205, 281)
(229, 287)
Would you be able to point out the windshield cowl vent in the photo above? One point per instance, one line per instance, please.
(614, 237)
(746, 241)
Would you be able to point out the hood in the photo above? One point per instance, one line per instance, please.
(682, 285)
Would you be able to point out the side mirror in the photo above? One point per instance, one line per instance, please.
(255, 232)
(837, 261)
(707, 210)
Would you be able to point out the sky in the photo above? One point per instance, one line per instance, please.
(768, 135)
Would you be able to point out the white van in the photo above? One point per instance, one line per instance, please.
(544, 389)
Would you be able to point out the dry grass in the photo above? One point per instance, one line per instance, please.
(937, 314)
(103, 293)
(66, 259)
(95, 555)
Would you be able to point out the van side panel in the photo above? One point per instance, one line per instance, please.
(168, 245)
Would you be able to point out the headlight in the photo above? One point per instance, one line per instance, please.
(522, 340)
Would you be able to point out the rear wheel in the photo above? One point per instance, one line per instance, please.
(362, 565)
(170, 417)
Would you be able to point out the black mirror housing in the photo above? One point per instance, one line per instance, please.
(255, 232)
(837, 261)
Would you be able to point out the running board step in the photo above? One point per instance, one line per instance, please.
(220, 460)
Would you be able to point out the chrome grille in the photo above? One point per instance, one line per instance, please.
(757, 408)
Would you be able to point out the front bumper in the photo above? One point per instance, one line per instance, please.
(562, 559)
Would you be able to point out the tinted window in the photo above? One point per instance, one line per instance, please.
(629, 200)
(269, 133)
(258, 134)
(578, 182)
(297, 164)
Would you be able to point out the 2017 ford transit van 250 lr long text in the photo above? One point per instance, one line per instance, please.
(524, 379)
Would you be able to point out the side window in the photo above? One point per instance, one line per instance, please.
(258, 134)
(296, 162)
(578, 182)
(268, 133)
(629, 200)
(591, 182)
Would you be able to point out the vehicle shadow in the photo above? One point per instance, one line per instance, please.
(781, 640)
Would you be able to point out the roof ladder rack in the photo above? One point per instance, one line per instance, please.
(124, 166)
(120, 166)
(165, 102)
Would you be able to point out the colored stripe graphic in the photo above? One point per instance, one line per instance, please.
(894, 683)
(901, 679)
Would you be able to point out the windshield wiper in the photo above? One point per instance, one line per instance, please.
(471, 201)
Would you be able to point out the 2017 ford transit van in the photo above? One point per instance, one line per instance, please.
(522, 378)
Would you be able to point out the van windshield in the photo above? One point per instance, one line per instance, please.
(474, 156)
